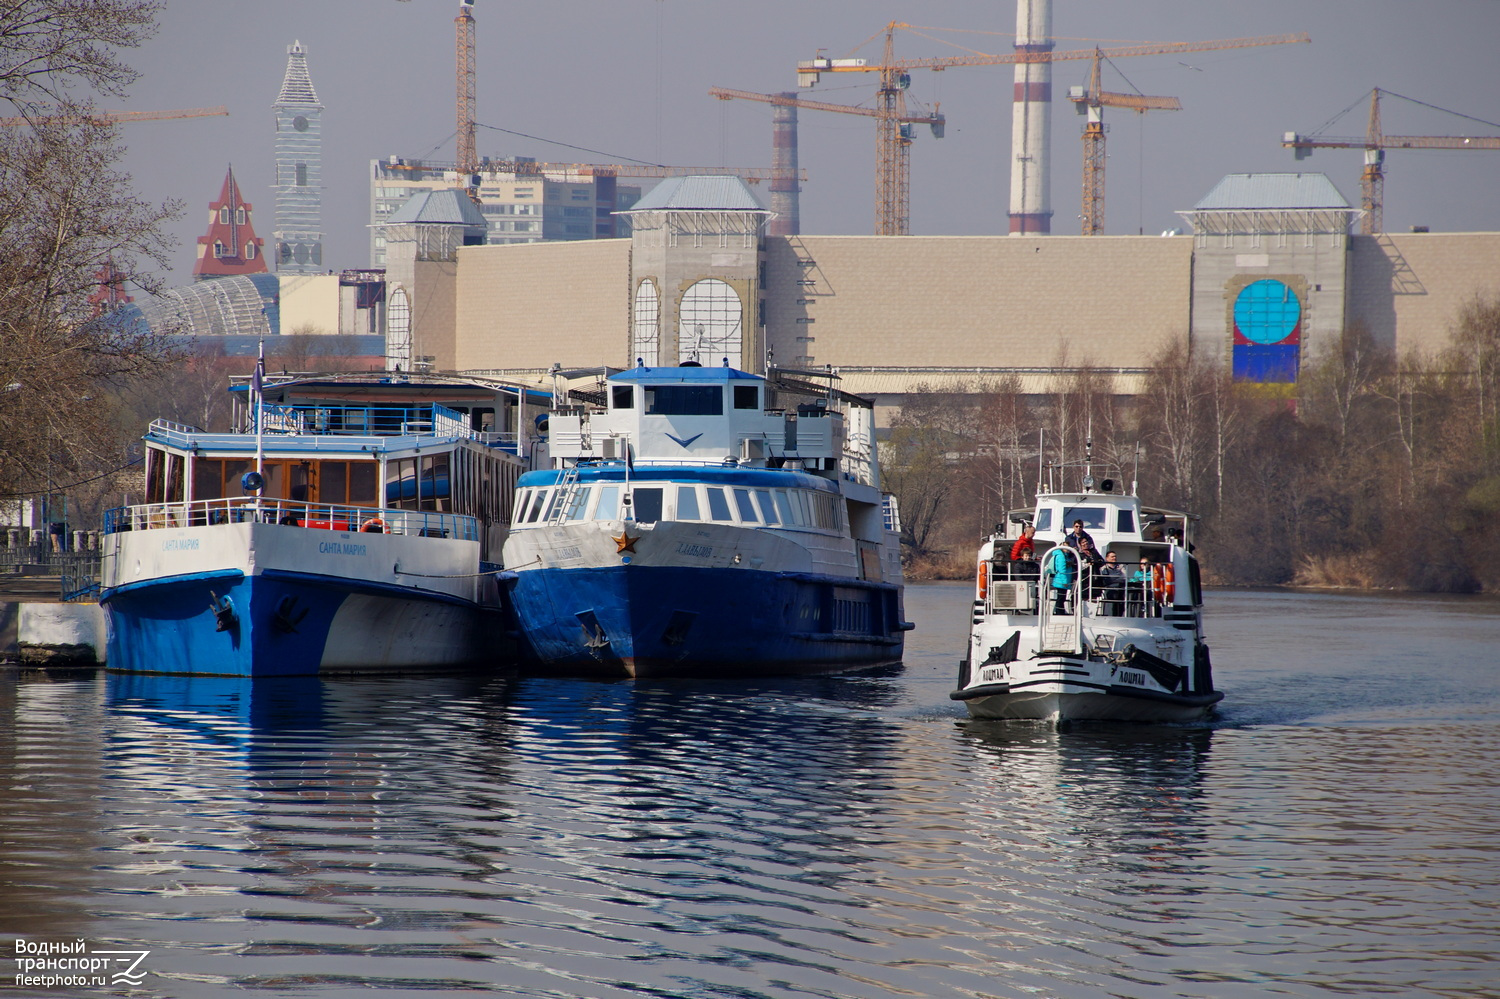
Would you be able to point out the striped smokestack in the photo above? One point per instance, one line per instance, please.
(784, 186)
(1030, 133)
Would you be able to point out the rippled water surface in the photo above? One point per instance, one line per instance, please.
(1333, 832)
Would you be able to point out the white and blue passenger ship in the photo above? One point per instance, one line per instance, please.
(691, 527)
(350, 526)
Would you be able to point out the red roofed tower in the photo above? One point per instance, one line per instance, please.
(231, 246)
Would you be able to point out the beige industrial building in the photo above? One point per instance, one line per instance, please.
(1268, 271)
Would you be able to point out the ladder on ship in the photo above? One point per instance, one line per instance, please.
(563, 498)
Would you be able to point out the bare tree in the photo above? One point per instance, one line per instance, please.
(66, 213)
(48, 47)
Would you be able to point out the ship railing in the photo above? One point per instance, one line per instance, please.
(346, 421)
(1013, 589)
(293, 513)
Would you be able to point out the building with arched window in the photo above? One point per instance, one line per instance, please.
(1268, 276)
(695, 267)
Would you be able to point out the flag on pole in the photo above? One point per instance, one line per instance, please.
(258, 380)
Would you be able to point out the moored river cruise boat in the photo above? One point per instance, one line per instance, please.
(690, 526)
(349, 527)
(1108, 630)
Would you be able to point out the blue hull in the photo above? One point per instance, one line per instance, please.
(637, 620)
(230, 624)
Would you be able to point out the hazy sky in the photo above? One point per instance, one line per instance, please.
(628, 80)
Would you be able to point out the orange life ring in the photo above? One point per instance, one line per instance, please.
(1162, 586)
(372, 526)
(984, 580)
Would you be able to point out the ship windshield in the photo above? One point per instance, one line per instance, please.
(684, 400)
(1092, 517)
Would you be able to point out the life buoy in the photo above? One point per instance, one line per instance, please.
(1162, 586)
(372, 526)
(983, 582)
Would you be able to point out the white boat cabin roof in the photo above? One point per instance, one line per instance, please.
(1108, 518)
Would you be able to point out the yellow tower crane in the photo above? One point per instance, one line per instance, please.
(1375, 143)
(1091, 101)
(894, 152)
(117, 117)
(891, 193)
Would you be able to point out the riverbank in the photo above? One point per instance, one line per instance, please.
(37, 628)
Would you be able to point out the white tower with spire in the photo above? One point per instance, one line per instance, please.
(1031, 131)
(298, 236)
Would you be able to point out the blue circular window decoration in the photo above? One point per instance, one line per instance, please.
(1267, 312)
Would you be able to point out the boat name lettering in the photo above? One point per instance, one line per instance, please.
(696, 551)
(180, 545)
(992, 673)
(1131, 676)
(569, 552)
(339, 548)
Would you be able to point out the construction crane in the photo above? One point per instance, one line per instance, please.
(903, 137)
(1091, 101)
(895, 75)
(117, 117)
(1375, 143)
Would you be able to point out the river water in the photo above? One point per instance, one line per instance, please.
(1332, 832)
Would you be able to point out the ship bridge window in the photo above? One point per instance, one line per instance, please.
(1125, 522)
(537, 501)
(784, 507)
(746, 505)
(622, 397)
(1092, 516)
(684, 400)
(647, 504)
(767, 508)
(747, 397)
(718, 504)
(1044, 519)
(578, 501)
(687, 503)
(609, 503)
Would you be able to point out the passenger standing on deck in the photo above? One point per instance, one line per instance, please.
(1060, 564)
(1024, 552)
(1024, 547)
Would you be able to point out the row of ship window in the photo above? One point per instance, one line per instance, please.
(806, 508)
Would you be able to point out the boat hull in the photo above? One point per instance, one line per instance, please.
(249, 600)
(650, 620)
(1064, 689)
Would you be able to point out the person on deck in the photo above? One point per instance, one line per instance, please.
(1060, 564)
(1077, 535)
(1024, 548)
(1110, 580)
(1139, 593)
